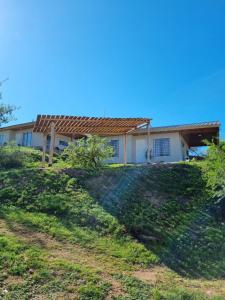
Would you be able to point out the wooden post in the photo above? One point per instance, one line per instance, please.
(148, 143)
(44, 149)
(52, 143)
(125, 149)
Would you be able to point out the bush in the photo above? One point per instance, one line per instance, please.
(214, 166)
(88, 153)
(11, 157)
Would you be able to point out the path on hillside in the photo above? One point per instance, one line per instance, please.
(70, 252)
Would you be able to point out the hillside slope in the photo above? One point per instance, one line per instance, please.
(123, 234)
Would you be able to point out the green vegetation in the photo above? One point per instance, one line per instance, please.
(214, 167)
(6, 111)
(30, 272)
(89, 153)
(153, 232)
(15, 157)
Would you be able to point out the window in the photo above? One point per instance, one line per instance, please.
(115, 145)
(63, 143)
(2, 138)
(162, 147)
(27, 139)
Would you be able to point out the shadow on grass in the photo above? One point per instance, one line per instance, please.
(167, 208)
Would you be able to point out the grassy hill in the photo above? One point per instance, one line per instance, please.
(126, 233)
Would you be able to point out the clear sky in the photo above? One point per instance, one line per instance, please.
(163, 59)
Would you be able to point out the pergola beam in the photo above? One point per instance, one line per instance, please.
(125, 149)
(148, 143)
(44, 149)
(52, 143)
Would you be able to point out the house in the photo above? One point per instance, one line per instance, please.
(133, 139)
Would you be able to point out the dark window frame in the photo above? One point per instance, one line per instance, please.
(114, 143)
(161, 147)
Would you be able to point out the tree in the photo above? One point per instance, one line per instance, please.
(6, 111)
(89, 153)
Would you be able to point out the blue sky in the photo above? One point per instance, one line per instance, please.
(122, 58)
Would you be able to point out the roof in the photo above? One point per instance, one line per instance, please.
(88, 125)
(194, 126)
(20, 126)
(194, 134)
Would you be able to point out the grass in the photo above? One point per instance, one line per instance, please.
(125, 233)
(170, 210)
(34, 274)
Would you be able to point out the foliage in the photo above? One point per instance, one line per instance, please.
(214, 166)
(89, 153)
(54, 203)
(171, 211)
(6, 113)
(167, 209)
(11, 156)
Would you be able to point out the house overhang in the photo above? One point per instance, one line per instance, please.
(197, 137)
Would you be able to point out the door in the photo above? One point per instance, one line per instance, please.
(141, 148)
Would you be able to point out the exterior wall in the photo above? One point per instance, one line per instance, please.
(184, 148)
(6, 135)
(136, 145)
(37, 138)
(175, 147)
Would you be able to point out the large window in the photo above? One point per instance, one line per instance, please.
(162, 147)
(115, 145)
(2, 139)
(27, 139)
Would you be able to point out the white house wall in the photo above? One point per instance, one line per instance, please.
(177, 152)
(184, 147)
(37, 138)
(6, 135)
(175, 147)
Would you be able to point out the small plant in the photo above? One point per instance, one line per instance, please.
(89, 153)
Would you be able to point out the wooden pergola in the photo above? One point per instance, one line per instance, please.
(73, 125)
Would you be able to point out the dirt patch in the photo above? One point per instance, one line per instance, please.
(150, 275)
(13, 280)
(161, 275)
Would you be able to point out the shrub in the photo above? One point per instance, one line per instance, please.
(214, 166)
(88, 153)
(11, 157)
